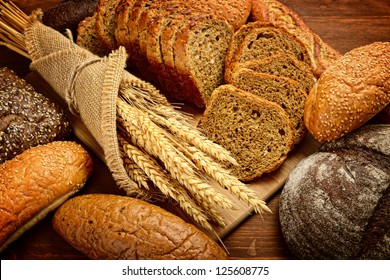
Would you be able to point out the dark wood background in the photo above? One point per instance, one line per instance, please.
(344, 25)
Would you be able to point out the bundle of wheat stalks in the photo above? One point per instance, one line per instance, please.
(160, 145)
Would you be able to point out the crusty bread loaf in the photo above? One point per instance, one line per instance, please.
(284, 91)
(283, 65)
(321, 54)
(36, 182)
(68, 14)
(336, 202)
(27, 118)
(256, 131)
(350, 92)
(104, 226)
(264, 41)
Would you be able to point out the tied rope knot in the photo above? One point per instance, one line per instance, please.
(70, 93)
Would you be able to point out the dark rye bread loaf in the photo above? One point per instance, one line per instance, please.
(27, 118)
(336, 203)
(109, 227)
(283, 65)
(284, 91)
(256, 131)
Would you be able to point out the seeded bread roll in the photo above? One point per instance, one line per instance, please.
(350, 92)
(256, 131)
(104, 226)
(336, 203)
(27, 118)
(36, 182)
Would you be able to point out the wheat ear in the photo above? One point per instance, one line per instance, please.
(152, 138)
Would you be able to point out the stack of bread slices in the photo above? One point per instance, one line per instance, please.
(195, 50)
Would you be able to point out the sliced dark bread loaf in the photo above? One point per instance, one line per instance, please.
(284, 65)
(105, 23)
(283, 91)
(87, 37)
(200, 50)
(256, 131)
(266, 41)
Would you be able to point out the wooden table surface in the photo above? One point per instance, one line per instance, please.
(344, 25)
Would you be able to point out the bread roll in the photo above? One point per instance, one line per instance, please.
(336, 203)
(27, 118)
(104, 226)
(37, 181)
(350, 92)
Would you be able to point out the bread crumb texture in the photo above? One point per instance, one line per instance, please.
(104, 226)
(256, 131)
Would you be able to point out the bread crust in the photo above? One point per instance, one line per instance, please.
(350, 92)
(105, 226)
(36, 181)
(336, 202)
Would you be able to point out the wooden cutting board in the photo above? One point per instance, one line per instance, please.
(265, 186)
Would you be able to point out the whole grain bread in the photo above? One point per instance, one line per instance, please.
(265, 41)
(256, 131)
(36, 182)
(283, 91)
(27, 118)
(350, 92)
(87, 37)
(321, 54)
(104, 226)
(106, 22)
(336, 202)
(200, 49)
(283, 65)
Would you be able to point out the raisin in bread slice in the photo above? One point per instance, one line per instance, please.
(266, 41)
(284, 65)
(200, 50)
(256, 131)
(283, 91)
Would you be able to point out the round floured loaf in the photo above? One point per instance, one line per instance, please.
(104, 226)
(350, 92)
(336, 203)
(36, 182)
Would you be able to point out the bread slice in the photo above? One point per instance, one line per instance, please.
(239, 36)
(121, 32)
(105, 23)
(87, 37)
(283, 91)
(200, 50)
(256, 131)
(266, 41)
(283, 65)
(321, 54)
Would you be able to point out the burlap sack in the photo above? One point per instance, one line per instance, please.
(89, 84)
